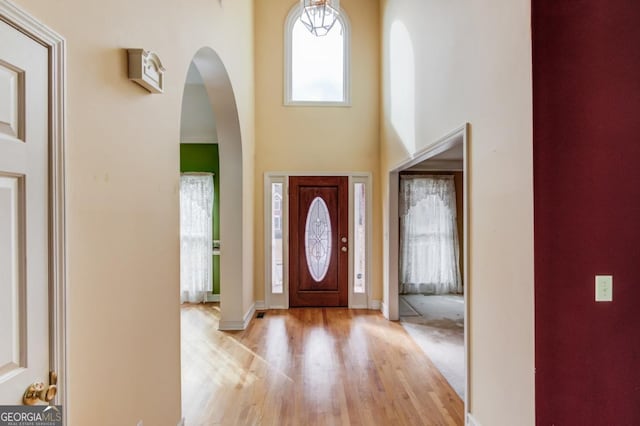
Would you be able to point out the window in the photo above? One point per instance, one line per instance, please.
(359, 238)
(360, 247)
(429, 245)
(277, 201)
(196, 213)
(276, 240)
(316, 68)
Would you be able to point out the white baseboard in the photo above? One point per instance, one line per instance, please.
(385, 310)
(231, 325)
(471, 421)
(198, 139)
(238, 325)
(373, 305)
(213, 297)
(248, 316)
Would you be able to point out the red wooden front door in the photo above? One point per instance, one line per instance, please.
(318, 249)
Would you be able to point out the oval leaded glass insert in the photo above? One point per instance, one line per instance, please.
(317, 239)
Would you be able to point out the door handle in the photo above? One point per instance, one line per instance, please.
(344, 249)
(40, 392)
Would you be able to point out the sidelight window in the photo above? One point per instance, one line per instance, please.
(277, 252)
(359, 237)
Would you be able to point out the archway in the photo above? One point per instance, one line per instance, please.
(216, 82)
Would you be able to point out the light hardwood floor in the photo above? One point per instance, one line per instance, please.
(309, 366)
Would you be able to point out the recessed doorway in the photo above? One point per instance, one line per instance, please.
(430, 270)
(317, 240)
(427, 275)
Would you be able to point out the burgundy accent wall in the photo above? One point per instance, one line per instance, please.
(586, 143)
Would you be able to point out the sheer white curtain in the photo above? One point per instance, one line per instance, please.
(429, 247)
(196, 209)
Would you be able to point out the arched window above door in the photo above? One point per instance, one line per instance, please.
(316, 68)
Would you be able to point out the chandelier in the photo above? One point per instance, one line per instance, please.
(319, 15)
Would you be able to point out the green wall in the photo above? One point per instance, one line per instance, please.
(203, 157)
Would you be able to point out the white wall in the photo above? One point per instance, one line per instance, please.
(444, 64)
(197, 120)
(123, 180)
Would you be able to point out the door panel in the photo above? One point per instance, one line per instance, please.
(12, 282)
(318, 257)
(24, 219)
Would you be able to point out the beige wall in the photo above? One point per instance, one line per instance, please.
(316, 139)
(123, 168)
(472, 63)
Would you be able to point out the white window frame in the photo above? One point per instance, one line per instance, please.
(281, 300)
(276, 300)
(360, 300)
(292, 17)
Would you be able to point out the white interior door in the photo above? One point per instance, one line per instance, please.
(24, 227)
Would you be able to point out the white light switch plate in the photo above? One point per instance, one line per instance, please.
(604, 288)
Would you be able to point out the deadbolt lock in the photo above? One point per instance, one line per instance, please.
(40, 392)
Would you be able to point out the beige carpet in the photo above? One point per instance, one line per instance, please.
(436, 323)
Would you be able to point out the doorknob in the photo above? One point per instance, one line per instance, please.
(344, 239)
(40, 392)
(344, 249)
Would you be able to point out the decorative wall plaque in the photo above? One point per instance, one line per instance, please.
(146, 69)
